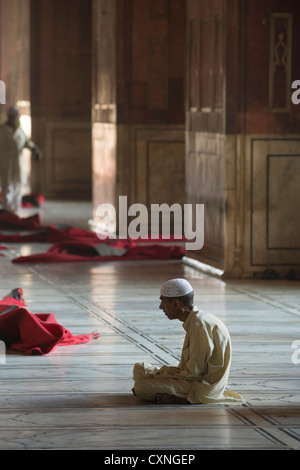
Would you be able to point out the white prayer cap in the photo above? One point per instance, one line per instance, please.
(175, 288)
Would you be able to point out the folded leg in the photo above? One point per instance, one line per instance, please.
(147, 386)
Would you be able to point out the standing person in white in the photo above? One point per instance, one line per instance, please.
(12, 141)
(202, 374)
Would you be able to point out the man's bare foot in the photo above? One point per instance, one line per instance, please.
(165, 399)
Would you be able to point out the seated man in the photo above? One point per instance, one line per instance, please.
(202, 374)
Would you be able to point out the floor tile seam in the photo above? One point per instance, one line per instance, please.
(135, 407)
(288, 429)
(137, 331)
(128, 326)
(281, 406)
(57, 426)
(259, 415)
(62, 379)
(96, 353)
(270, 437)
(31, 269)
(280, 434)
(239, 415)
(102, 367)
(79, 381)
(265, 417)
(243, 291)
(264, 299)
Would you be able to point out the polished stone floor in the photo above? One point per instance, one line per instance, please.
(79, 397)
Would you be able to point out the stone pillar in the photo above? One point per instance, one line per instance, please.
(138, 101)
(61, 63)
(15, 69)
(243, 140)
(14, 54)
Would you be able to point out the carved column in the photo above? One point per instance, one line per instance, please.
(61, 96)
(138, 101)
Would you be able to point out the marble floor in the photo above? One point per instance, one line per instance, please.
(79, 397)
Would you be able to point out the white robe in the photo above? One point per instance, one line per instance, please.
(11, 146)
(202, 374)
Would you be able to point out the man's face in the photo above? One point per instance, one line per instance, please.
(170, 308)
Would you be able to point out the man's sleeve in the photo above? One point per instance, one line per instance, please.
(30, 145)
(201, 348)
(195, 356)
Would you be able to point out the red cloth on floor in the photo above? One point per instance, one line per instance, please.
(82, 251)
(58, 233)
(30, 200)
(9, 220)
(32, 333)
(51, 234)
(33, 200)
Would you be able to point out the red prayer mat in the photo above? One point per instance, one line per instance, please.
(59, 233)
(30, 200)
(33, 334)
(33, 200)
(9, 220)
(109, 251)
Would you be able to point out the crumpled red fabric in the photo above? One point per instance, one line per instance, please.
(78, 244)
(50, 234)
(33, 334)
(10, 220)
(59, 233)
(117, 250)
(33, 200)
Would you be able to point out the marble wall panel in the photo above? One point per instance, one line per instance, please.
(138, 91)
(283, 195)
(61, 66)
(205, 67)
(159, 165)
(150, 62)
(67, 164)
(192, 98)
(280, 62)
(271, 49)
(15, 54)
(166, 172)
(206, 184)
(158, 72)
(250, 188)
(274, 195)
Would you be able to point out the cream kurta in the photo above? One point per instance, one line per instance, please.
(202, 374)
